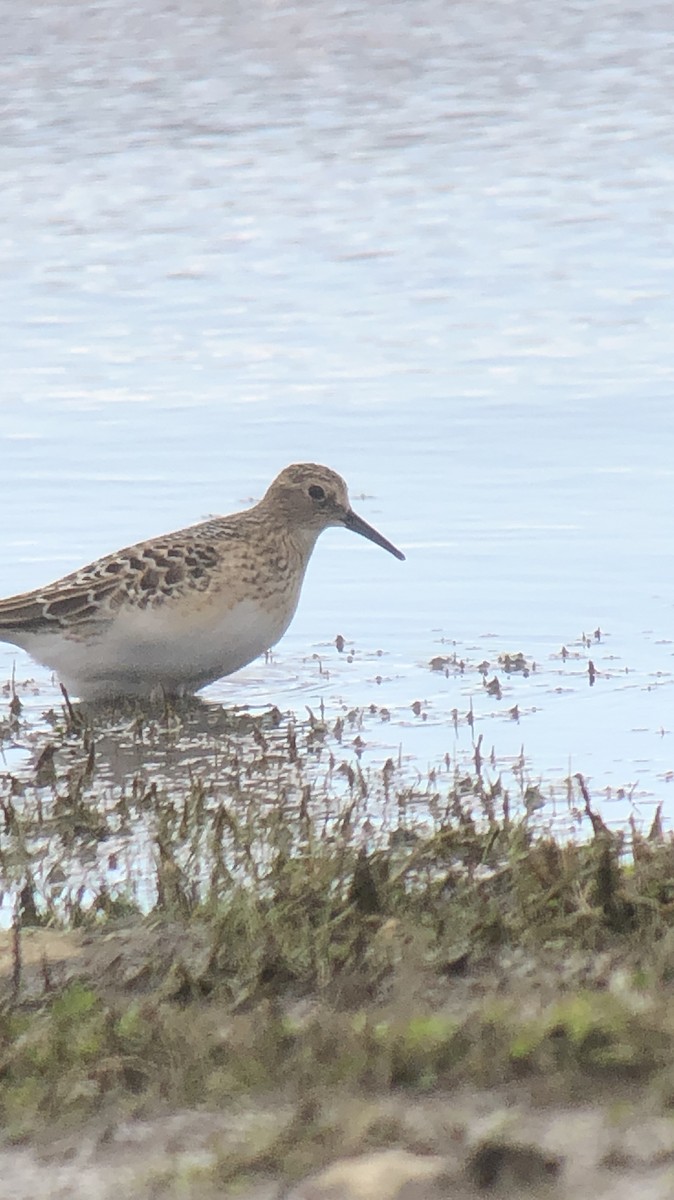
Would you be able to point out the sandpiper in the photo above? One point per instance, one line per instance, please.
(173, 614)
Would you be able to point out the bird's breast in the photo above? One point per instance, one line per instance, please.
(208, 637)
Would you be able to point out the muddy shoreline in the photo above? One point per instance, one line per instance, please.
(451, 1001)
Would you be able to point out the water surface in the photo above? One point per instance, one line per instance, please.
(430, 245)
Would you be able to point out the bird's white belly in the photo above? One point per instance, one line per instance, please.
(142, 650)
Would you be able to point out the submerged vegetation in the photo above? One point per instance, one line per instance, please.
(228, 913)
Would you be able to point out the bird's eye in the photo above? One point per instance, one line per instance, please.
(316, 492)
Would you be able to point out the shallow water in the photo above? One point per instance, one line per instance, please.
(430, 245)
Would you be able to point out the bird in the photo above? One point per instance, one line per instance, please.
(170, 615)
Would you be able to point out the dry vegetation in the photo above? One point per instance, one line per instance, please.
(224, 920)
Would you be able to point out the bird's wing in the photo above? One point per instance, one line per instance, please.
(74, 600)
(139, 577)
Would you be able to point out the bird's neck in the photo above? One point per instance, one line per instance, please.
(299, 538)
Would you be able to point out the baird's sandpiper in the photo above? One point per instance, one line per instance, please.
(175, 613)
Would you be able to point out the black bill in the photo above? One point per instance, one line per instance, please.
(352, 521)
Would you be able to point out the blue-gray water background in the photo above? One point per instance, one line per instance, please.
(430, 244)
